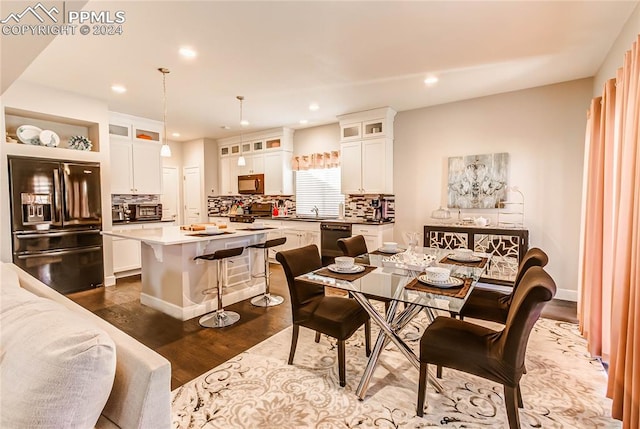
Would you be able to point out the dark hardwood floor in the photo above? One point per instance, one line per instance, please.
(193, 350)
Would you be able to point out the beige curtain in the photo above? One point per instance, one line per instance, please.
(316, 161)
(610, 288)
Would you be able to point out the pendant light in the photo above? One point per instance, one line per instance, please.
(241, 161)
(165, 150)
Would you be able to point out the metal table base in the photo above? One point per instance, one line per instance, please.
(389, 329)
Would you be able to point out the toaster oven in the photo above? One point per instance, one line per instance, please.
(147, 212)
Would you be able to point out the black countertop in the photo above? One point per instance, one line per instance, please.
(357, 221)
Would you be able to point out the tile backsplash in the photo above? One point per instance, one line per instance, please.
(359, 206)
(135, 199)
(220, 205)
(356, 206)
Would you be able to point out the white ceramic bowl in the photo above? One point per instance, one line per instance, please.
(463, 253)
(344, 261)
(257, 225)
(390, 245)
(437, 274)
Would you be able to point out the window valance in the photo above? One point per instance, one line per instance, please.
(316, 161)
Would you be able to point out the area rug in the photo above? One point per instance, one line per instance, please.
(563, 388)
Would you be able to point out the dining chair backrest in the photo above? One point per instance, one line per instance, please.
(353, 246)
(296, 262)
(535, 257)
(535, 290)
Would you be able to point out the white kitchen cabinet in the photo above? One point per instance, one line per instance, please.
(367, 152)
(365, 167)
(278, 177)
(126, 253)
(300, 234)
(374, 235)
(254, 164)
(136, 166)
(229, 175)
(267, 152)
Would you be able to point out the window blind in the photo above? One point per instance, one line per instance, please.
(318, 187)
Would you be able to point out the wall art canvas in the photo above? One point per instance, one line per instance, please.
(477, 181)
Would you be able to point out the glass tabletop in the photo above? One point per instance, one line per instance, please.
(393, 272)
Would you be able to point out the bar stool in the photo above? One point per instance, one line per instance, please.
(220, 318)
(266, 299)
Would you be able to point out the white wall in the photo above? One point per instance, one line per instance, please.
(542, 129)
(316, 139)
(615, 57)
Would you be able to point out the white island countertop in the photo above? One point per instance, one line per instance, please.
(179, 284)
(170, 235)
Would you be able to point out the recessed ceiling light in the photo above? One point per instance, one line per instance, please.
(225, 127)
(303, 121)
(431, 80)
(188, 52)
(176, 134)
(244, 122)
(313, 107)
(119, 89)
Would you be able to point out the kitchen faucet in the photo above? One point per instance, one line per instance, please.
(315, 210)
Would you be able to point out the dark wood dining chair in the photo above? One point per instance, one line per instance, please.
(353, 246)
(494, 306)
(335, 316)
(494, 355)
(356, 246)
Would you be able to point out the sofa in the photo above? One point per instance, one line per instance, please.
(61, 366)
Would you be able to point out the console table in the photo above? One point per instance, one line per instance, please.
(507, 247)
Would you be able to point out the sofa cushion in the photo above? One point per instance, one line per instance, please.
(57, 369)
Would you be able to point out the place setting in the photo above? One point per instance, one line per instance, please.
(464, 257)
(345, 268)
(439, 280)
(389, 248)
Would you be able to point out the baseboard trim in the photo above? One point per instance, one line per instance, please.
(110, 281)
(567, 295)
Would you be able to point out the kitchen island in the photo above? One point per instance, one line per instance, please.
(172, 282)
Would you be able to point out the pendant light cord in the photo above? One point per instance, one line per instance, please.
(165, 150)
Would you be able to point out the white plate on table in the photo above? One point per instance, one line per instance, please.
(28, 134)
(471, 258)
(449, 283)
(351, 270)
(391, 251)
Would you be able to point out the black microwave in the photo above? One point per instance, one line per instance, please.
(251, 184)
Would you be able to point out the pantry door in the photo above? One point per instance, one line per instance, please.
(193, 211)
(170, 190)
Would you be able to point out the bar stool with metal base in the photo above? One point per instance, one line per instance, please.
(220, 318)
(266, 299)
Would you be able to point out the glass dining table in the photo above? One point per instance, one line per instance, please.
(399, 278)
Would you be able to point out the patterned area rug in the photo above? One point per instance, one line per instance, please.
(563, 388)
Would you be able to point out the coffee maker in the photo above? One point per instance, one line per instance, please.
(382, 208)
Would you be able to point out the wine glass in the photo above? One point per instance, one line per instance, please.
(413, 240)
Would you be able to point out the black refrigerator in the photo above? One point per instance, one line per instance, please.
(56, 220)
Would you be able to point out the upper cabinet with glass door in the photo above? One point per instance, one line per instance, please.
(257, 148)
(366, 145)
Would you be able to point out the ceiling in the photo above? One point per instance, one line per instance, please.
(345, 56)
